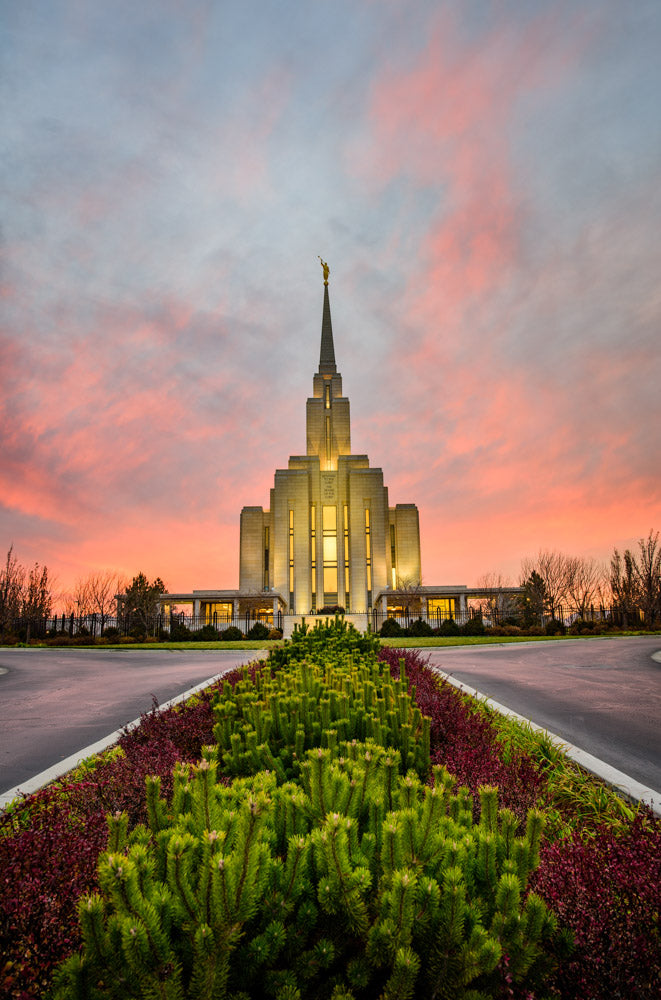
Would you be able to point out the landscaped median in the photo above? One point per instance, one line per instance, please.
(334, 822)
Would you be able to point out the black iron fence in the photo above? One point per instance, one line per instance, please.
(588, 618)
(162, 626)
(255, 624)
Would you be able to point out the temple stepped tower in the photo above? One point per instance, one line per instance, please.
(329, 538)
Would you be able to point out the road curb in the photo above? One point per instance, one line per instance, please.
(628, 787)
(63, 767)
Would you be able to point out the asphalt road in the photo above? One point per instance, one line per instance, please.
(602, 695)
(55, 702)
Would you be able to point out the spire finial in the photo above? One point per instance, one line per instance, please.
(326, 270)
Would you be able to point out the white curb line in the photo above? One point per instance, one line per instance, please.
(58, 770)
(626, 786)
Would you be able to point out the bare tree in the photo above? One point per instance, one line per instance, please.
(497, 605)
(77, 600)
(623, 583)
(12, 577)
(553, 568)
(95, 594)
(636, 580)
(37, 595)
(103, 588)
(24, 593)
(409, 592)
(648, 575)
(585, 581)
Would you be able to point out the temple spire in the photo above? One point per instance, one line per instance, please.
(327, 364)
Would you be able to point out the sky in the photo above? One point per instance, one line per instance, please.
(483, 178)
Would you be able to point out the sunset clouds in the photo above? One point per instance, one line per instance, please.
(484, 182)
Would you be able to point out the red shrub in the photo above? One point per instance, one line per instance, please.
(44, 869)
(608, 892)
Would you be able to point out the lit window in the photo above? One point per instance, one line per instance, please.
(440, 607)
(329, 546)
(368, 557)
(313, 555)
(330, 549)
(291, 560)
(347, 587)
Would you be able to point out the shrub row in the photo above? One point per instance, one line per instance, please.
(178, 633)
(474, 626)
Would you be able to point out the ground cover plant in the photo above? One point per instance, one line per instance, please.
(49, 845)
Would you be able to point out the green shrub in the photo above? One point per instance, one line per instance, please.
(555, 627)
(390, 628)
(583, 626)
(205, 634)
(180, 632)
(448, 628)
(420, 628)
(232, 634)
(270, 718)
(473, 626)
(355, 881)
(259, 631)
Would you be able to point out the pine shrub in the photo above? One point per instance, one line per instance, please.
(356, 878)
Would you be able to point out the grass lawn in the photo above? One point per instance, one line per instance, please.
(406, 642)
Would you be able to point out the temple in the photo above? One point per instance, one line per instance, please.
(329, 539)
